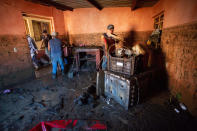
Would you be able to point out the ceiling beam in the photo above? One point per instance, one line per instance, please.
(51, 3)
(133, 4)
(146, 3)
(96, 4)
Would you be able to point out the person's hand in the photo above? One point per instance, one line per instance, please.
(36, 51)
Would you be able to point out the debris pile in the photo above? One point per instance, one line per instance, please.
(88, 97)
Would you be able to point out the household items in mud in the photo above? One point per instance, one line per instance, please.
(131, 90)
(121, 89)
(92, 50)
(154, 39)
(88, 97)
(122, 65)
(126, 60)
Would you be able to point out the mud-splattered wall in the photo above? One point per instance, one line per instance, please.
(85, 26)
(15, 66)
(94, 39)
(15, 59)
(179, 42)
(179, 45)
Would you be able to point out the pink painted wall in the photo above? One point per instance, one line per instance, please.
(12, 23)
(91, 20)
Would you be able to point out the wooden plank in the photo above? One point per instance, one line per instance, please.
(133, 4)
(51, 3)
(95, 3)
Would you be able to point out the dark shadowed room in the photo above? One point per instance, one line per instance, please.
(98, 65)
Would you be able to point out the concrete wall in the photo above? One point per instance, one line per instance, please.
(16, 67)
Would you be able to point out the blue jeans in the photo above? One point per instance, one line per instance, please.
(56, 59)
(104, 64)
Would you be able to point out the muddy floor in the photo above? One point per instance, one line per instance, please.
(45, 99)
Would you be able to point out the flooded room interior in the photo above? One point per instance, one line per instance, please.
(98, 65)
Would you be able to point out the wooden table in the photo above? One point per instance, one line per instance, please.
(93, 50)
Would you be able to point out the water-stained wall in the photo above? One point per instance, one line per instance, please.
(16, 65)
(179, 43)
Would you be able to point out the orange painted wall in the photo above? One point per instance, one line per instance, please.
(178, 42)
(91, 20)
(180, 19)
(17, 66)
(12, 23)
(177, 12)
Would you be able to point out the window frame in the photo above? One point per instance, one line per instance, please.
(158, 20)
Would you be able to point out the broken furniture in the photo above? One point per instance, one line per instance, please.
(67, 51)
(130, 90)
(121, 82)
(120, 89)
(88, 50)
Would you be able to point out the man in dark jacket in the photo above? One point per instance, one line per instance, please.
(45, 40)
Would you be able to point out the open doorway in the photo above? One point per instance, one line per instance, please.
(35, 25)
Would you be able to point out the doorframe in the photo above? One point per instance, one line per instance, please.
(30, 17)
